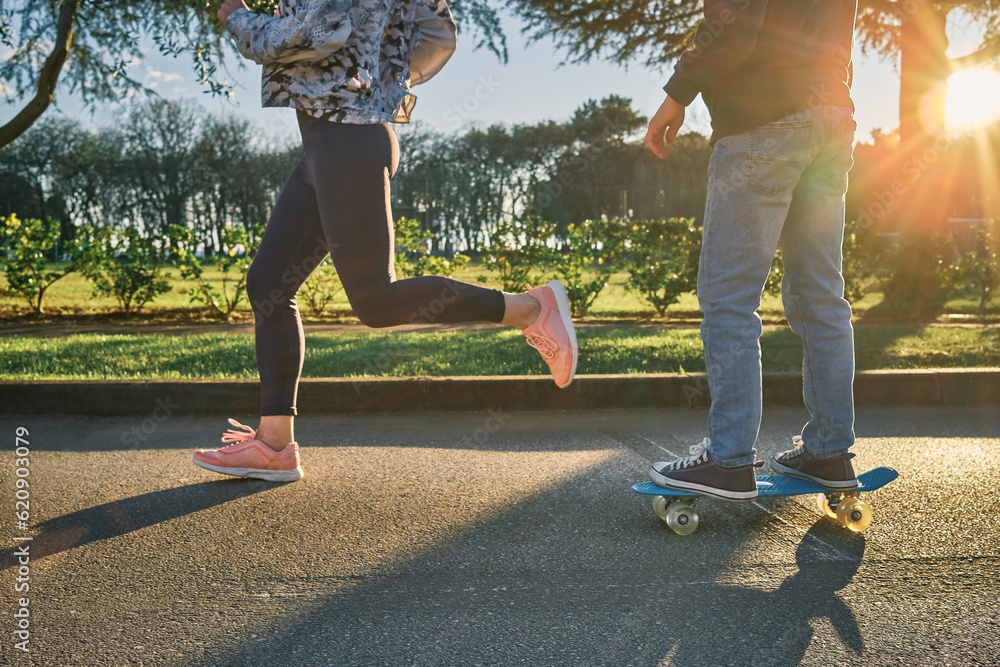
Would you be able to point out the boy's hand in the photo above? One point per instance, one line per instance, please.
(230, 6)
(664, 126)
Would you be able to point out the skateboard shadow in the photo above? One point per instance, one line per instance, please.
(780, 624)
(126, 515)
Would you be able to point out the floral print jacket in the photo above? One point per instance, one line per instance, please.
(349, 61)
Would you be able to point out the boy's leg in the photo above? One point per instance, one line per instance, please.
(751, 179)
(812, 292)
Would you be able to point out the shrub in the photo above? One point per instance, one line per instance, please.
(978, 271)
(233, 263)
(924, 272)
(125, 265)
(319, 290)
(26, 244)
(774, 277)
(868, 258)
(519, 251)
(413, 257)
(661, 257)
(593, 256)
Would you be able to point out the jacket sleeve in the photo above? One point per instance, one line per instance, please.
(438, 38)
(311, 32)
(722, 41)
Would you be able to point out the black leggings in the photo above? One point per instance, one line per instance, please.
(337, 202)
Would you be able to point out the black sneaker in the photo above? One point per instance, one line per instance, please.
(698, 473)
(836, 474)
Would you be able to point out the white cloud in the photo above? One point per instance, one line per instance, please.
(155, 77)
(165, 77)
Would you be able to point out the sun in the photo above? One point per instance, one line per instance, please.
(973, 99)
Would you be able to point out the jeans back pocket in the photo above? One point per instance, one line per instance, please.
(778, 154)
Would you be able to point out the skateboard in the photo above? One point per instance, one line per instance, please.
(675, 507)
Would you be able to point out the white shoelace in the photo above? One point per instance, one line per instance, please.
(234, 437)
(797, 449)
(698, 453)
(545, 346)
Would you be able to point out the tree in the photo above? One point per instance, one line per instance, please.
(912, 30)
(90, 47)
(161, 137)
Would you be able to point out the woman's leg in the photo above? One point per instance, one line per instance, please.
(292, 247)
(337, 201)
(350, 166)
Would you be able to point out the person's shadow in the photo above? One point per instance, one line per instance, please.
(123, 516)
(742, 625)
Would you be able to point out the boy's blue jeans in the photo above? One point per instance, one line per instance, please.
(781, 183)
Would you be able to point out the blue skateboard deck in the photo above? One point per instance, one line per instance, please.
(779, 485)
(675, 507)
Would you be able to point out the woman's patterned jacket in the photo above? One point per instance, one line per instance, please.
(350, 61)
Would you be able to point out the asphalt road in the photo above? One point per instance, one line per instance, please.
(494, 539)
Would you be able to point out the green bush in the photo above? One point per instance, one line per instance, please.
(868, 260)
(774, 277)
(125, 265)
(978, 272)
(233, 263)
(23, 258)
(924, 273)
(519, 252)
(413, 258)
(319, 290)
(592, 257)
(661, 258)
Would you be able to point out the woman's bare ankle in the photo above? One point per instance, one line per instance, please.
(520, 310)
(276, 431)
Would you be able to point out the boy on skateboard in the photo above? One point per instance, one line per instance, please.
(776, 76)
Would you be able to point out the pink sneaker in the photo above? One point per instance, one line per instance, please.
(553, 334)
(249, 457)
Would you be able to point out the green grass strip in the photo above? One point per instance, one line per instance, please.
(602, 350)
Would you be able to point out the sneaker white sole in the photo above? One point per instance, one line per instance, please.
(701, 489)
(567, 318)
(255, 473)
(828, 484)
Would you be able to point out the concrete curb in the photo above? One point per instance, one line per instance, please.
(980, 386)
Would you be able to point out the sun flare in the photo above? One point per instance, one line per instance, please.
(973, 99)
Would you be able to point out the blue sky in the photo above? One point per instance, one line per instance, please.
(474, 89)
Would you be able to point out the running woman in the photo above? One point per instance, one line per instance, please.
(346, 67)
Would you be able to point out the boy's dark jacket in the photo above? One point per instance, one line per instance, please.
(755, 61)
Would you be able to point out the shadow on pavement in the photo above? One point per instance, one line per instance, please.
(553, 582)
(123, 516)
(777, 627)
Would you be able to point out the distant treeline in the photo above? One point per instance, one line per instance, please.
(168, 163)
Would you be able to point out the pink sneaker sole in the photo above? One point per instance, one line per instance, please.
(564, 312)
(256, 473)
